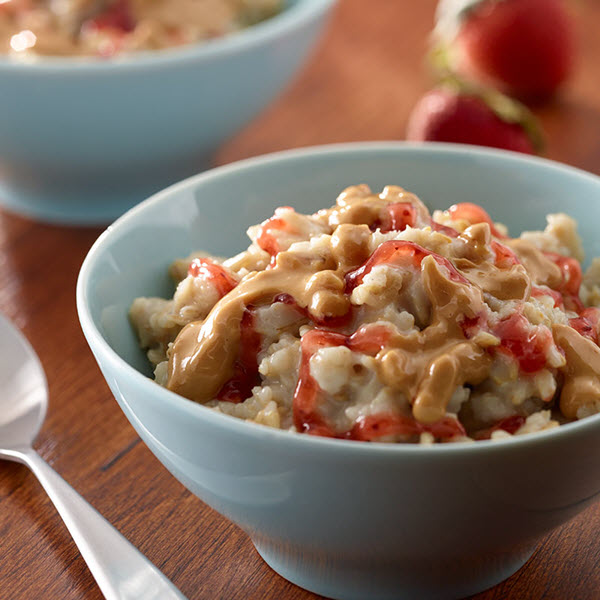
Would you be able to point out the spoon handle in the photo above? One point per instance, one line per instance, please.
(121, 571)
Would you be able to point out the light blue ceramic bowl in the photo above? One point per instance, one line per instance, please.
(84, 139)
(346, 519)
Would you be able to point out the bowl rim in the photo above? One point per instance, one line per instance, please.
(291, 18)
(262, 433)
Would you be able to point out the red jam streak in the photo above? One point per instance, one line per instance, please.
(527, 344)
(509, 424)
(449, 231)
(329, 322)
(266, 238)
(373, 427)
(538, 292)
(586, 323)
(245, 370)
(246, 374)
(571, 272)
(471, 326)
(369, 339)
(400, 215)
(571, 282)
(505, 257)
(397, 217)
(471, 213)
(399, 253)
(217, 275)
(117, 16)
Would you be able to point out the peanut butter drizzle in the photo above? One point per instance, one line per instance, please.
(582, 370)
(427, 366)
(202, 357)
(541, 269)
(357, 204)
(505, 284)
(430, 365)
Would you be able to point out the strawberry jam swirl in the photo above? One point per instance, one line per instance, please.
(376, 321)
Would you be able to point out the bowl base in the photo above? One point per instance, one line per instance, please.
(399, 580)
(56, 210)
(90, 197)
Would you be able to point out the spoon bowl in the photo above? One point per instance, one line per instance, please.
(24, 399)
(122, 572)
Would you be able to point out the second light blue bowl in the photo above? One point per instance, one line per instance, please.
(84, 139)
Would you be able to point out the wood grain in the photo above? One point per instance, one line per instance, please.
(360, 84)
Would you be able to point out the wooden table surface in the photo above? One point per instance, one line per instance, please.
(360, 84)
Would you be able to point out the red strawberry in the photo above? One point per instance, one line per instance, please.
(451, 114)
(524, 47)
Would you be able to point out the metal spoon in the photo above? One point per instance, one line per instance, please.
(121, 571)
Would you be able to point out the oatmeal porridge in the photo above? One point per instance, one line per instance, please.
(109, 27)
(375, 320)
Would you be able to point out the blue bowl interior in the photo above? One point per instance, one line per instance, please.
(212, 211)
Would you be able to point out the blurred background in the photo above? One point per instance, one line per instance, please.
(372, 68)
